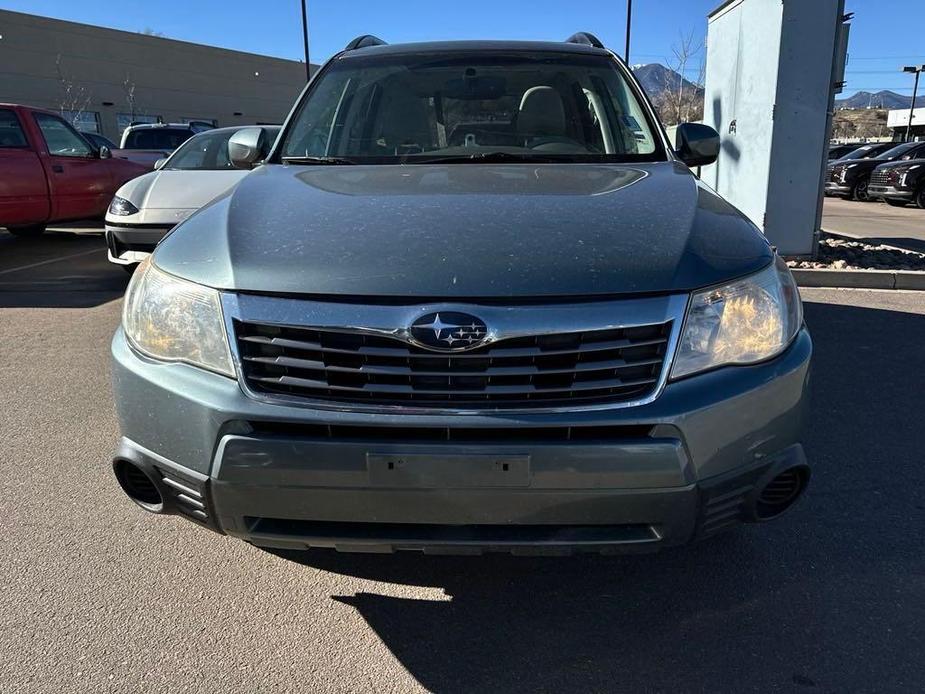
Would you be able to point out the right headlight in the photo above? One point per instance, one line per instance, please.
(172, 319)
(743, 322)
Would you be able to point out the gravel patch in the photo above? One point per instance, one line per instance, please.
(836, 253)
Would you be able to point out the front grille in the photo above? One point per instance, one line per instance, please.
(405, 434)
(602, 365)
(879, 178)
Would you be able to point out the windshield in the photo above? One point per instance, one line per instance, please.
(416, 108)
(897, 152)
(157, 138)
(868, 151)
(208, 151)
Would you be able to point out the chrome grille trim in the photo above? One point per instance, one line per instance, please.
(505, 322)
(879, 178)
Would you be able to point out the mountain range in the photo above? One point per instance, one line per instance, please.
(657, 79)
(882, 99)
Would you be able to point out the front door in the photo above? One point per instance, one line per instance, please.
(23, 192)
(79, 180)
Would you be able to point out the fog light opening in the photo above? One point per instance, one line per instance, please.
(139, 487)
(781, 492)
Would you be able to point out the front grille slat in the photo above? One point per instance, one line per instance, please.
(879, 178)
(385, 370)
(606, 365)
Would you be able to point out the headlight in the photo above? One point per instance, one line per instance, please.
(743, 322)
(171, 319)
(122, 207)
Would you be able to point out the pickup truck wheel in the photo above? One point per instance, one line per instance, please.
(27, 231)
(860, 191)
(896, 202)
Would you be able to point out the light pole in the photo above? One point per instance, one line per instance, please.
(917, 70)
(629, 22)
(308, 69)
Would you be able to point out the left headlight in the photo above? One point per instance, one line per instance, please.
(121, 207)
(743, 322)
(167, 318)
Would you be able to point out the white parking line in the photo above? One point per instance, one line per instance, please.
(49, 262)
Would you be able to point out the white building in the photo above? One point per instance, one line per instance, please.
(898, 119)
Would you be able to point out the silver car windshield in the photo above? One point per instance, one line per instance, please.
(473, 106)
(208, 151)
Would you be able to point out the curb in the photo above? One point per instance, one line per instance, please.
(860, 279)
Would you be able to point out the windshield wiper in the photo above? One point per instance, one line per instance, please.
(317, 160)
(487, 158)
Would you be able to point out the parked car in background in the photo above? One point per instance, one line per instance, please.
(838, 151)
(473, 300)
(145, 143)
(51, 173)
(146, 208)
(849, 176)
(98, 141)
(900, 183)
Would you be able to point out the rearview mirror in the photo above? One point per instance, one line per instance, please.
(696, 144)
(159, 164)
(246, 147)
(104, 152)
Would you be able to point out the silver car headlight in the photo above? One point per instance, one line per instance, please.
(743, 322)
(121, 207)
(171, 319)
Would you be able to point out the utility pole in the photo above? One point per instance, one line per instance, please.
(308, 69)
(629, 23)
(917, 71)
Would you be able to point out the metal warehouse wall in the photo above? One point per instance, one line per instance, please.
(112, 76)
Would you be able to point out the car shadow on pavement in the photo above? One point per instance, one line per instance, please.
(57, 270)
(829, 598)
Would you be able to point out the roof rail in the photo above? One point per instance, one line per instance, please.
(364, 41)
(586, 39)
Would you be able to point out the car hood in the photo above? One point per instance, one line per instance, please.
(466, 231)
(178, 190)
(901, 164)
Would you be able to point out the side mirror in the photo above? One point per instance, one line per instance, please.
(104, 152)
(246, 147)
(696, 144)
(159, 164)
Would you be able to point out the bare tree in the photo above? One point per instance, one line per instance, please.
(73, 98)
(683, 101)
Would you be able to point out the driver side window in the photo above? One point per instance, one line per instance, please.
(60, 138)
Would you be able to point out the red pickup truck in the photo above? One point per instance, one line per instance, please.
(50, 173)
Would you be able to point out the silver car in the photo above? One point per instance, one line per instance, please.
(472, 300)
(146, 208)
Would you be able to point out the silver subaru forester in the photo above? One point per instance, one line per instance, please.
(473, 300)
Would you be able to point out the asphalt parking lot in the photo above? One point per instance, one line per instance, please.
(100, 596)
(876, 221)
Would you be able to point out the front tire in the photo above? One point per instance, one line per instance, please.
(860, 191)
(920, 198)
(28, 231)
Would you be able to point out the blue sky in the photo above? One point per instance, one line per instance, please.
(880, 40)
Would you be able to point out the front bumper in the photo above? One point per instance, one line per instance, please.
(664, 473)
(128, 244)
(833, 188)
(890, 192)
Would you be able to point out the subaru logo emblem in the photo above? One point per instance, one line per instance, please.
(448, 331)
